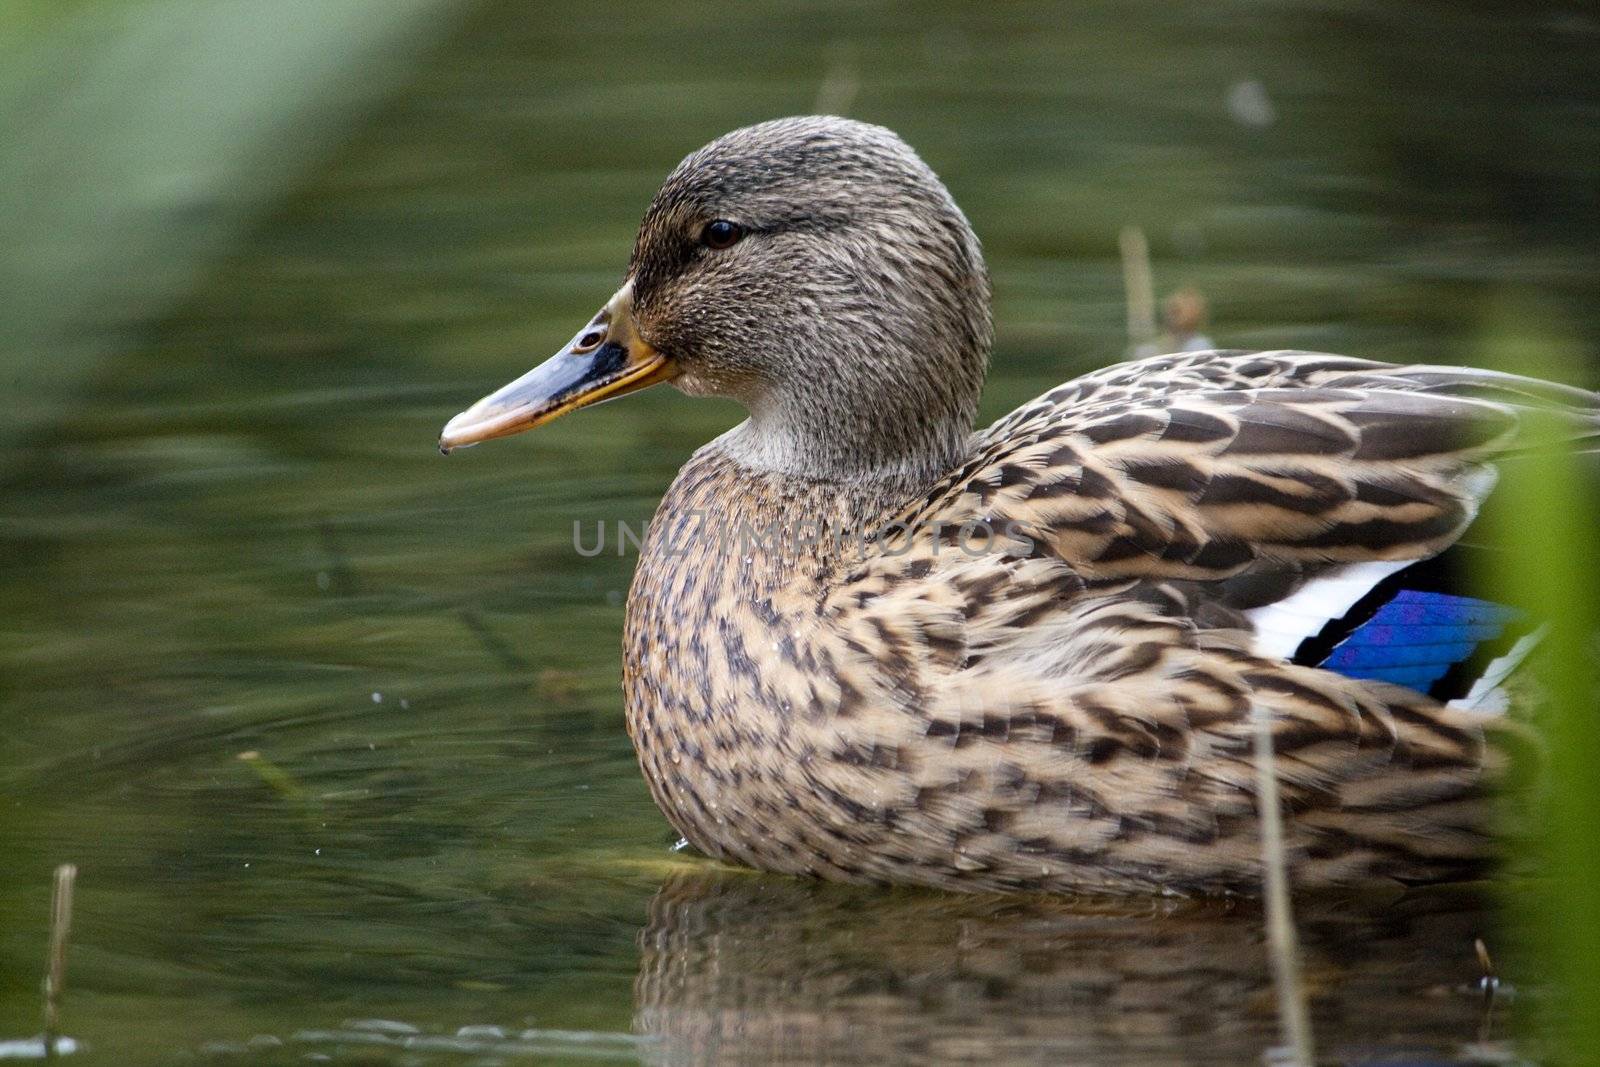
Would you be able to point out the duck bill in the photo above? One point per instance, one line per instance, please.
(607, 359)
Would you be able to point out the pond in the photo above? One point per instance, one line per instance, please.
(332, 724)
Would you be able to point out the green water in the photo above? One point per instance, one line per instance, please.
(331, 724)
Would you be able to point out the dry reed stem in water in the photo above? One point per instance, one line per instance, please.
(1282, 944)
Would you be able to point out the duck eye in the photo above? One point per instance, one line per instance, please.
(720, 233)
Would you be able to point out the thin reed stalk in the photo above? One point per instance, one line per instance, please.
(55, 979)
(1283, 945)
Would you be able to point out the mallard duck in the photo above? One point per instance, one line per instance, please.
(864, 642)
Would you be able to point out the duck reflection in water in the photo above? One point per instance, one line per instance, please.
(743, 968)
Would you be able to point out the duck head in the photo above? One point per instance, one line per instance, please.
(816, 271)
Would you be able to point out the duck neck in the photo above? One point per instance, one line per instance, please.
(882, 451)
(859, 422)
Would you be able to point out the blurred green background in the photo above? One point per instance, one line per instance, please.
(332, 725)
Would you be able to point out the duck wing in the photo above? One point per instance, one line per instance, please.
(1204, 466)
(1316, 501)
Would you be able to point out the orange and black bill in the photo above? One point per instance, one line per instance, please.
(607, 359)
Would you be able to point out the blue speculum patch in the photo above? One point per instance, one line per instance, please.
(1417, 638)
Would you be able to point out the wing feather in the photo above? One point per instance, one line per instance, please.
(1205, 466)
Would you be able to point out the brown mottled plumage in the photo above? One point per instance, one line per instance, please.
(1042, 674)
